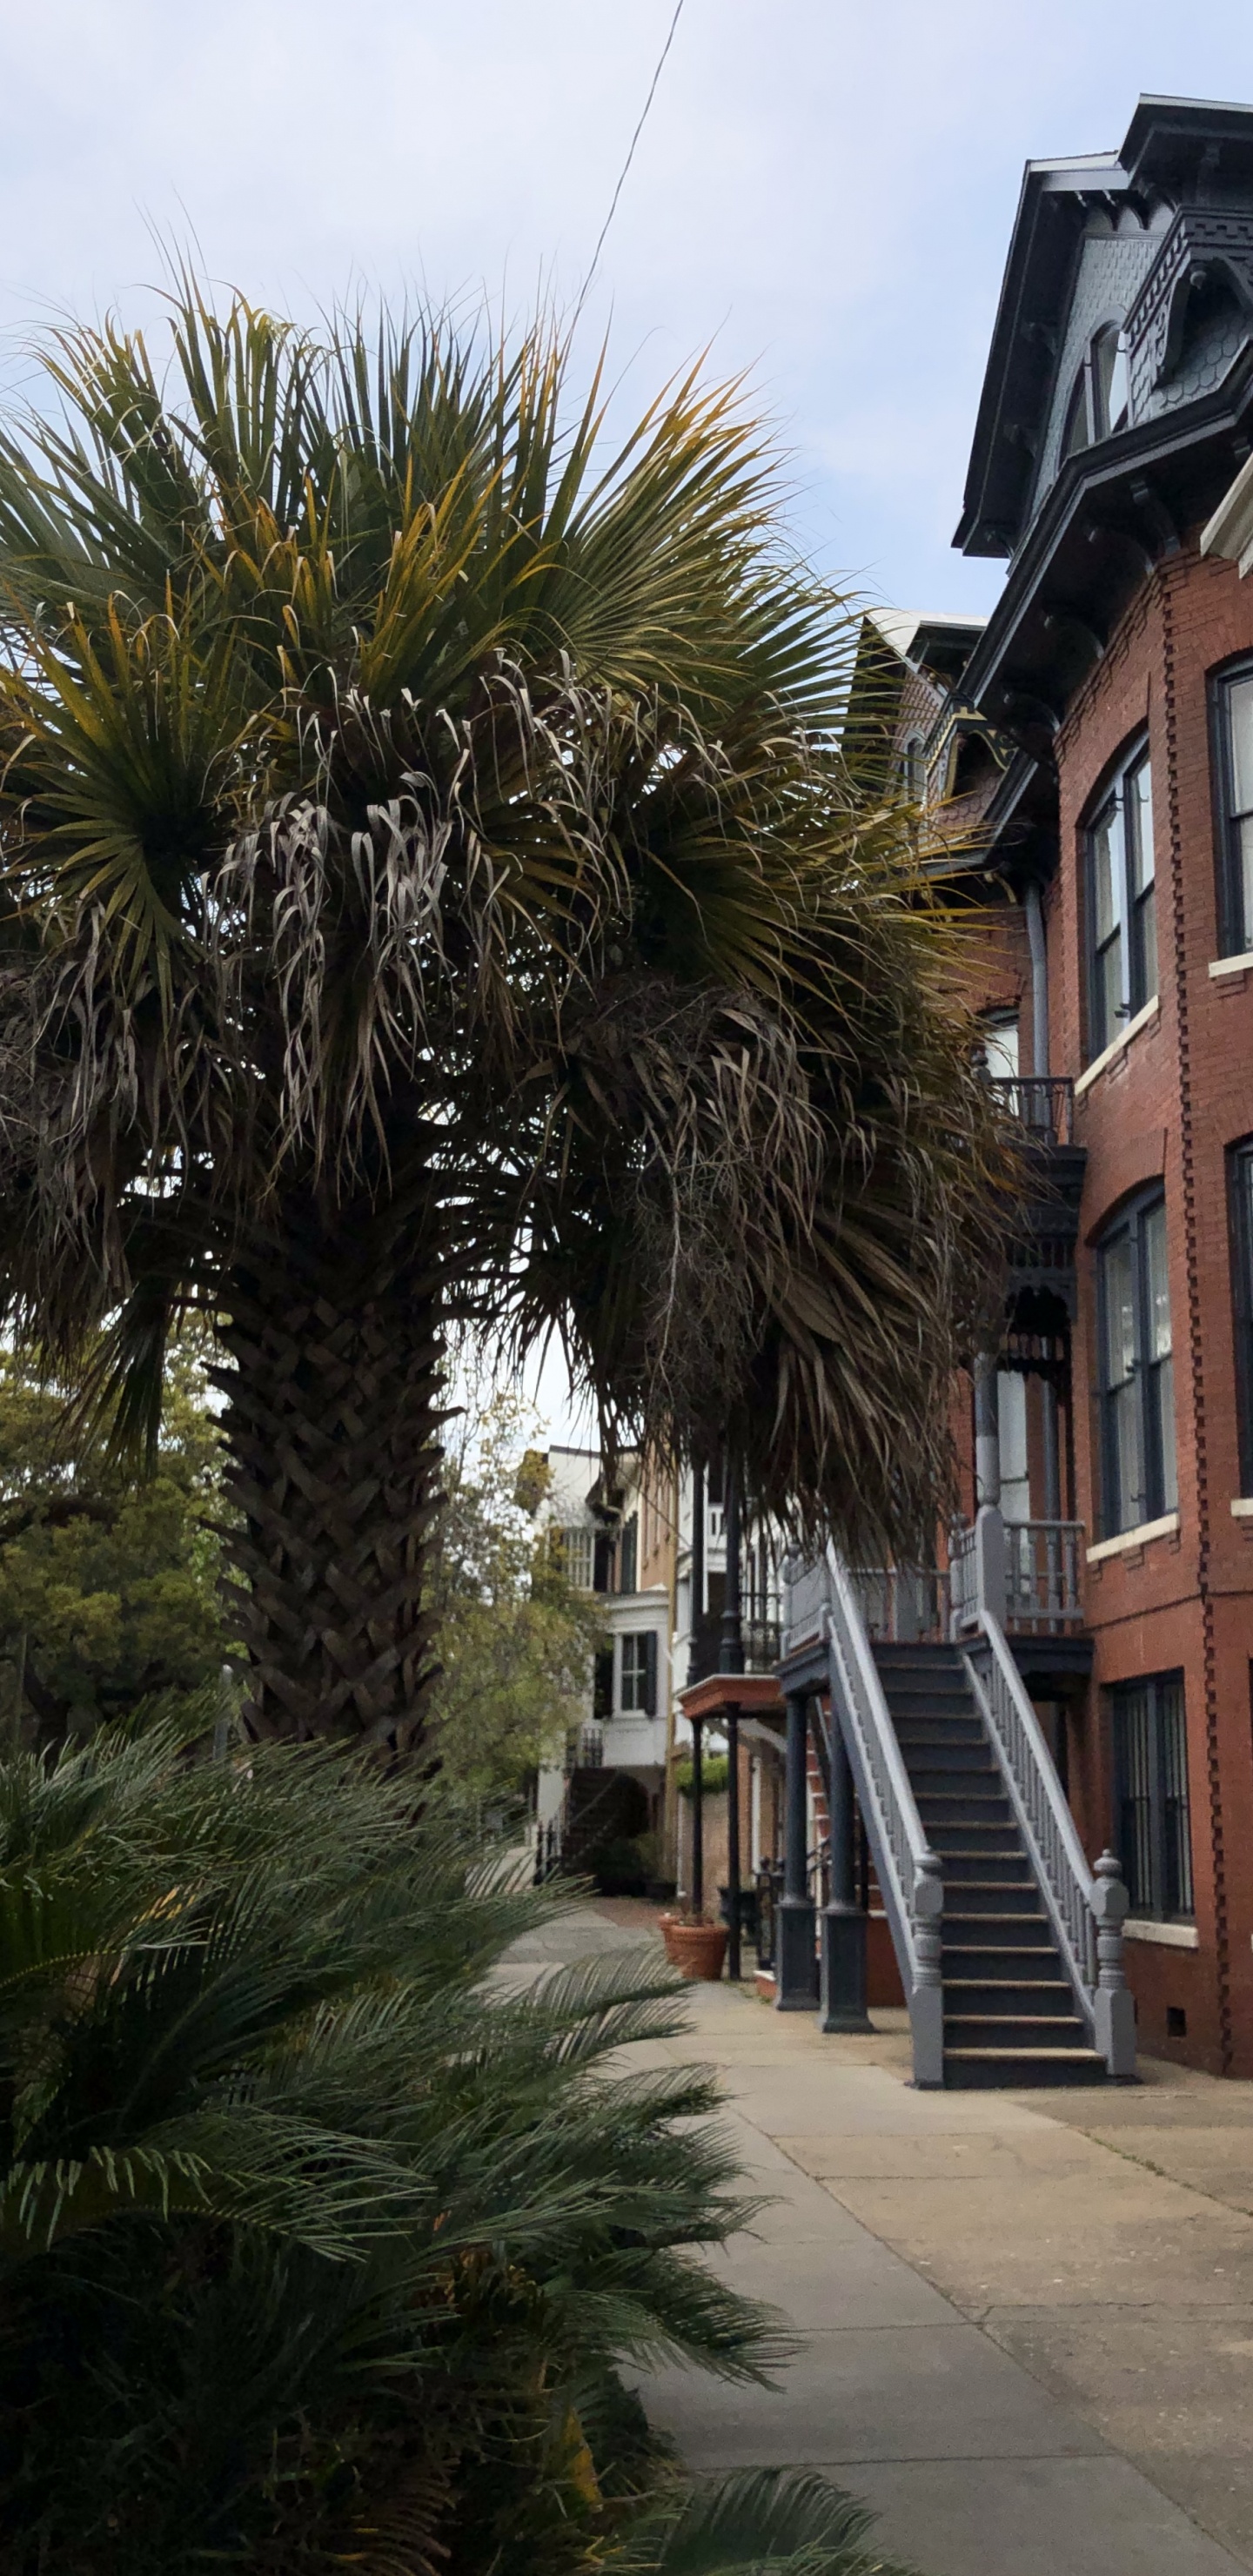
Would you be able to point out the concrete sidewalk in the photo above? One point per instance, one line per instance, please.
(1026, 2321)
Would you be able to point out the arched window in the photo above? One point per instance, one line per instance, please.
(912, 779)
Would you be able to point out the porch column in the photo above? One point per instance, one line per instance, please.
(733, 1842)
(1052, 1451)
(697, 1579)
(987, 1433)
(989, 1564)
(698, 1820)
(794, 1943)
(842, 1992)
(731, 1658)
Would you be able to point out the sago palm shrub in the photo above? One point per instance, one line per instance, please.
(438, 885)
(323, 2233)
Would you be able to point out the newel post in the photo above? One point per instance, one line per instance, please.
(926, 2003)
(1115, 2017)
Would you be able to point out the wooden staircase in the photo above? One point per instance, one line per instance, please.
(1009, 2011)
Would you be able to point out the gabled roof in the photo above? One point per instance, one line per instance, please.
(1172, 146)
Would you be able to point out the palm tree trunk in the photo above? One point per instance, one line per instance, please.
(332, 1429)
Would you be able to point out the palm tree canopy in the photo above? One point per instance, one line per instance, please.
(416, 810)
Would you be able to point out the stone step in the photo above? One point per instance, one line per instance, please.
(961, 1801)
(979, 2069)
(928, 1740)
(981, 1867)
(991, 1898)
(1024, 1997)
(1014, 2030)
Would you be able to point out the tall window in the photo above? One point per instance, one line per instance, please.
(629, 1555)
(1151, 1790)
(576, 1552)
(1233, 707)
(1122, 915)
(639, 1672)
(1137, 1371)
(1000, 1045)
(1240, 1203)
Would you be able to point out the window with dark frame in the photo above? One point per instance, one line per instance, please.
(1122, 906)
(628, 1555)
(1240, 1207)
(1138, 1470)
(1151, 1795)
(1232, 699)
(639, 1672)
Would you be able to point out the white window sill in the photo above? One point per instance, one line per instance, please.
(1231, 965)
(1118, 1046)
(1127, 1539)
(1168, 1936)
(1242, 1508)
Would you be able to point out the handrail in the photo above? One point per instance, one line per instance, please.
(909, 1872)
(1087, 1907)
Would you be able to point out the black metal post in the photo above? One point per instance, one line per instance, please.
(795, 1963)
(732, 1656)
(843, 1973)
(733, 1842)
(697, 1586)
(698, 1820)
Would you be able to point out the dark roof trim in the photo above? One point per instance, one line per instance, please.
(1122, 487)
(1196, 148)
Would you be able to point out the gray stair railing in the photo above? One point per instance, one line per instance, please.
(910, 1873)
(1087, 1907)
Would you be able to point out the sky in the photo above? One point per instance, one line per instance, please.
(822, 196)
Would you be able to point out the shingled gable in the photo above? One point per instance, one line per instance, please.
(1120, 238)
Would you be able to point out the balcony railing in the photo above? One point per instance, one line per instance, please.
(761, 1633)
(1042, 1103)
(1025, 1572)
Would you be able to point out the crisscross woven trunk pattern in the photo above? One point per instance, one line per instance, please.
(332, 1426)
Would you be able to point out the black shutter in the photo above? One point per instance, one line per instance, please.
(650, 1673)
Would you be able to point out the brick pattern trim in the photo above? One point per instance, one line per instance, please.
(1169, 579)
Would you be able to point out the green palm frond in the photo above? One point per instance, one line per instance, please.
(760, 2522)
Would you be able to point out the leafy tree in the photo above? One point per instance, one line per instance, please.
(321, 2238)
(438, 883)
(110, 1587)
(514, 1640)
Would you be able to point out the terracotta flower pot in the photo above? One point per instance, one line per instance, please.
(698, 1950)
(666, 1924)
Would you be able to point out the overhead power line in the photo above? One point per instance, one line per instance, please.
(659, 67)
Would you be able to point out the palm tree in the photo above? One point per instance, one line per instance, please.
(437, 889)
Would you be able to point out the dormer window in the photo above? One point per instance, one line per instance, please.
(1099, 400)
(1110, 391)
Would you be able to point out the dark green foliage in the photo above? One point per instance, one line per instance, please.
(320, 2232)
(110, 1587)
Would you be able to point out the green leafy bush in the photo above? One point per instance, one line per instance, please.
(715, 1773)
(321, 2229)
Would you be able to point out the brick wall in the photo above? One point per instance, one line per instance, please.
(1167, 1108)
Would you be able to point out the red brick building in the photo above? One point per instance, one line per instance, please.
(1094, 741)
